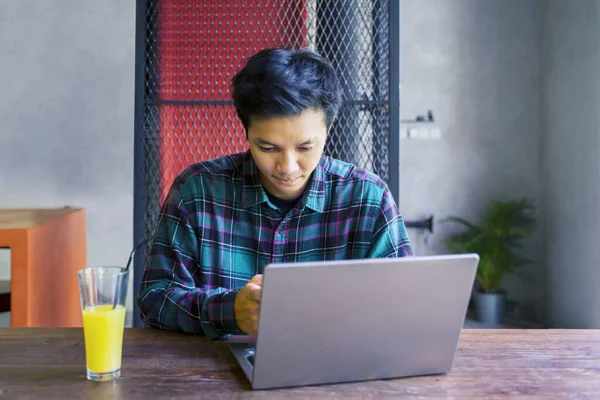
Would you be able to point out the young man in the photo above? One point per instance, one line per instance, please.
(282, 201)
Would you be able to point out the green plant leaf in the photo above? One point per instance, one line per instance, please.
(461, 221)
(498, 239)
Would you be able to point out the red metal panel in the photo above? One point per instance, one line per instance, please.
(201, 44)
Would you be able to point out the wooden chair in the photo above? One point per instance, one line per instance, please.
(48, 247)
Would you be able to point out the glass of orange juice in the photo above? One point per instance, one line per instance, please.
(103, 291)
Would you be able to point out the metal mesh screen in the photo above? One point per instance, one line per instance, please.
(191, 49)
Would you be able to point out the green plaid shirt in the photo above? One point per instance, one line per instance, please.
(218, 228)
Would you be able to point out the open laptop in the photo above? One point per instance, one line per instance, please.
(355, 320)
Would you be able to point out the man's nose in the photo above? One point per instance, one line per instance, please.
(288, 164)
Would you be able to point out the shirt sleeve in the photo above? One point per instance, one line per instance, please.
(169, 298)
(390, 238)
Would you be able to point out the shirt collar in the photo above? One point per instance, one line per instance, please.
(253, 192)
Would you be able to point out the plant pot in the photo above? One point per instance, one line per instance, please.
(489, 307)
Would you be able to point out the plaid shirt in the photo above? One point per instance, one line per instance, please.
(218, 229)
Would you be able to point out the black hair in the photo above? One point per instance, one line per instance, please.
(278, 83)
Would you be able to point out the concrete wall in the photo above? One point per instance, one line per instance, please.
(513, 85)
(66, 115)
(571, 162)
(476, 64)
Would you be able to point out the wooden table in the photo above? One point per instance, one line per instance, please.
(49, 363)
(47, 248)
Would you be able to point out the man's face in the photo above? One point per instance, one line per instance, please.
(286, 150)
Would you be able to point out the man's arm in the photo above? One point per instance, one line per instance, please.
(169, 298)
(390, 238)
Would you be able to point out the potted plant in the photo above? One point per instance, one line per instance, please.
(498, 240)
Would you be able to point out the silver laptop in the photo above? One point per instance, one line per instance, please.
(356, 320)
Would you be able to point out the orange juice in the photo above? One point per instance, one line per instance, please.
(103, 330)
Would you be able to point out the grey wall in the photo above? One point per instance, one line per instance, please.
(571, 162)
(476, 64)
(66, 115)
(506, 79)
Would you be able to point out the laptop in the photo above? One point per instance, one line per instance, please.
(356, 320)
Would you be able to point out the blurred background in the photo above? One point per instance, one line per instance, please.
(498, 101)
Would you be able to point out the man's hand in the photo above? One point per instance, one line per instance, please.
(247, 305)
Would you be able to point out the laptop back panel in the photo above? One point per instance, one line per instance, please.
(357, 320)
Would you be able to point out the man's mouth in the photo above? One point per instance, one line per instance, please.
(287, 181)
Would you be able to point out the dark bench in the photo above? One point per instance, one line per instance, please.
(4, 296)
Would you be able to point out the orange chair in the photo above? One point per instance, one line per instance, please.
(47, 248)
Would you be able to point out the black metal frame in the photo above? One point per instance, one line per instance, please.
(144, 99)
(139, 188)
(394, 89)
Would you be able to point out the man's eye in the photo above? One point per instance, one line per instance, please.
(266, 148)
(305, 148)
